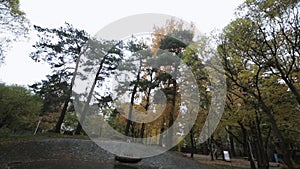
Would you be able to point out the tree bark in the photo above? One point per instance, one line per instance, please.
(231, 141)
(250, 155)
(62, 115)
(162, 129)
(171, 116)
(147, 105)
(280, 142)
(247, 146)
(65, 107)
(261, 154)
(211, 152)
(262, 161)
(129, 122)
(142, 130)
(192, 143)
(78, 128)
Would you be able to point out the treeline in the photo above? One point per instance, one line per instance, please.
(19, 110)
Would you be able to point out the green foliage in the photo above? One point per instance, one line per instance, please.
(53, 92)
(14, 6)
(70, 122)
(19, 109)
(268, 8)
(261, 61)
(13, 25)
(59, 47)
(115, 120)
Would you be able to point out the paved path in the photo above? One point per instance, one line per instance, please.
(73, 153)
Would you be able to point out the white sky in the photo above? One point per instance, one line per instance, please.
(92, 15)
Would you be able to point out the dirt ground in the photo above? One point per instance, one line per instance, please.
(234, 162)
(77, 153)
(80, 154)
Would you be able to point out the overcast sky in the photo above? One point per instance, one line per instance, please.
(92, 15)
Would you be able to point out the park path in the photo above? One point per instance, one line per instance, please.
(234, 162)
(76, 153)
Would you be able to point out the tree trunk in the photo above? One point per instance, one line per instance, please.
(247, 146)
(280, 142)
(262, 161)
(171, 116)
(132, 130)
(287, 81)
(232, 136)
(78, 128)
(211, 152)
(192, 143)
(262, 154)
(250, 155)
(146, 107)
(129, 122)
(232, 150)
(64, 110)
(162, 129)
(134, 90)
(142, 130)
(89, 97)
(62, 115)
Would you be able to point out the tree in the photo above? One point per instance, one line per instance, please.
(135, 65)
(19, 109)
(146, 73)
(136, 84)
(173, 39)
(61, 49)
(53, 92)
(258, 51)
(13, 25)
(178, 39)
(277, 32)
(103, 58)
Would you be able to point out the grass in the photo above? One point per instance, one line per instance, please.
(40, 136)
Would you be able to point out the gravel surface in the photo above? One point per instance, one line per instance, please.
(75, 153)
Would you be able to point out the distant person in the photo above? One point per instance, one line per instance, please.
(276, 158)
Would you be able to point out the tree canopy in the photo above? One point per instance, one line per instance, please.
(13, 25)
(19, 109)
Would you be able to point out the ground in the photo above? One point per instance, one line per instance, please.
(64, 153)
(236, 163)
(45, 152)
